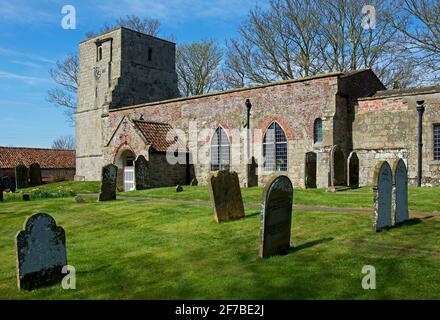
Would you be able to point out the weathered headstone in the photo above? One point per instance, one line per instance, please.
(383, 189)
(35, 175)
(226, 197)
(108, 183)
(252, 169)
(179, 188)
(41, 252)
(78, 199)
(353, 170)
(310, 170)
(400, 192)
(276, 217)
(21, 176)
(194, 182)
(26, 197)
(141, 173)
(337, 168)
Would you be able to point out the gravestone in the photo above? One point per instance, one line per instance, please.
(179, 188)
(78, 199)
(108, 183)
(400, 192)
(141, 173)
(353, 170)
(252, 173)
(383, 189)
(26, 197)
(41, 252)
(338, 167)
(35, 175)
(276, 217)
(21, 176)
(310, 170)
(194, 182)
(226, 197)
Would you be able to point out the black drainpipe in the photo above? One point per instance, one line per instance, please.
(420, 110)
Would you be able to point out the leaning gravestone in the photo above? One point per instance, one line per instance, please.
(35, 175)
(21, 176)
(400, 192)
(141, 173)
(41, 252)
(108, 183)
(276, 217)
(224, 188)
(383, 189)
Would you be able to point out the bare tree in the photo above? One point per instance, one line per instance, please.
(198, 67)
(279, 43)
(65, 73)
(64, 142)
(297, 38)
(420, 25)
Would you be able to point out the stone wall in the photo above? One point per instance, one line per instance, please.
(289, 103)
(163, 174)
(387, 129)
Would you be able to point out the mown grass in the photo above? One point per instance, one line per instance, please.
(74, 186)
(420, 199)
(139, 250)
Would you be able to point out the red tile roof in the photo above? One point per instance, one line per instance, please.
(10, 157)
(156, 135)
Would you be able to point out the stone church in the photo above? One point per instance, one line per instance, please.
(323, 131)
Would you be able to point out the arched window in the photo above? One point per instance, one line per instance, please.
(275, 149)
(220, 150)
(317, 131)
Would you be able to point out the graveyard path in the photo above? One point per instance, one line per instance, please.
(413, 214)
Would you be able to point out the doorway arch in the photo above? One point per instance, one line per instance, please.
(125, 163)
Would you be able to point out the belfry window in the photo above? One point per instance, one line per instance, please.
(220, 150)
(275, 149)
(437, 142)
(317, 131)
(150, 54)
(99, 57)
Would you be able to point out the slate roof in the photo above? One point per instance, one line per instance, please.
(156, 135)
(10, 157)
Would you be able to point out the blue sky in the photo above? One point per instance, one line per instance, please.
(32, 40)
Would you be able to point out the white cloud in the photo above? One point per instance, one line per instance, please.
(24, 78)
(168, 11)
(22, 11)
(15, 53)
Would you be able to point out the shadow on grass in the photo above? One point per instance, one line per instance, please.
(410, 222)
(310, 244)
(251, 215)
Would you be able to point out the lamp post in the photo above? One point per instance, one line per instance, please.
(420, 110)
(248, 147)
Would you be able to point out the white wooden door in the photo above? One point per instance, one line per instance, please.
(129, 183)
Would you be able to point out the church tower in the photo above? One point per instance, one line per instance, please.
(118, 68)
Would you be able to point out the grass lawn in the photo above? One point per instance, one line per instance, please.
(139, 250)
(425, 200)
